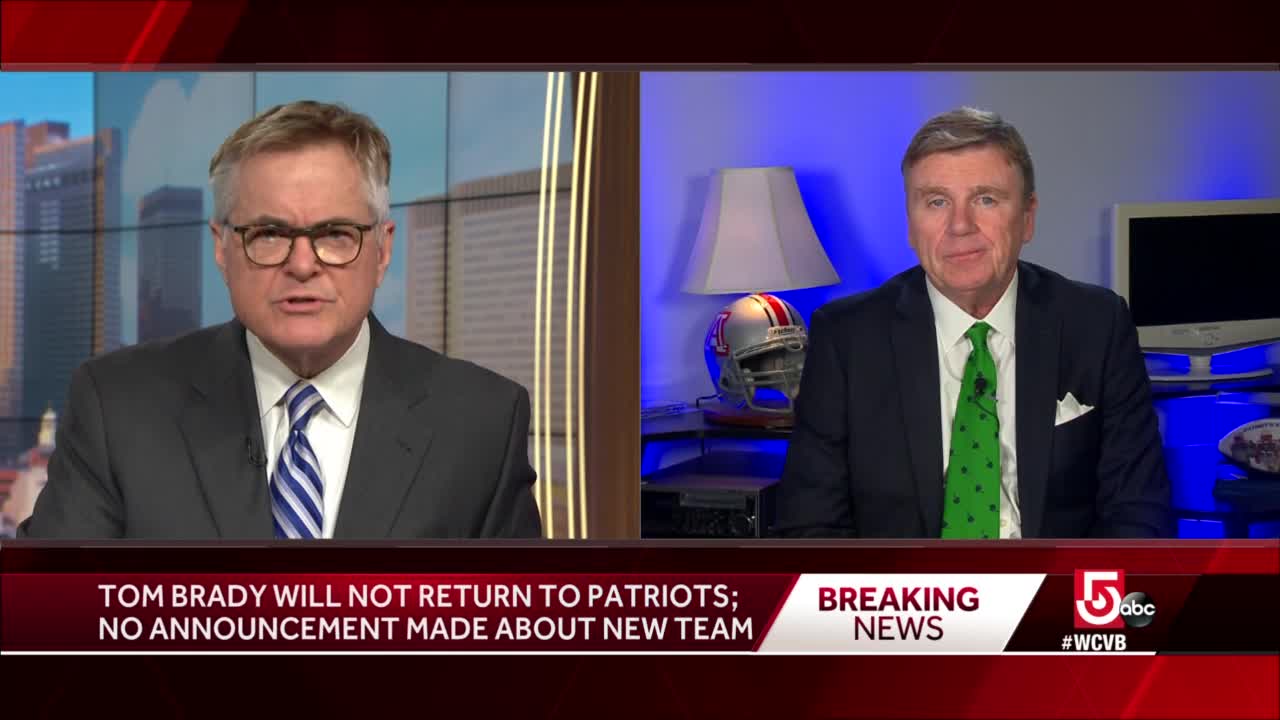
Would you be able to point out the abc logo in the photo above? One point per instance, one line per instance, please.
(1137, 610)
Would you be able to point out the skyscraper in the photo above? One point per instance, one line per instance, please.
(71, 258)
(481, 283)
(42, 134)
(424, 282)
(169, 251)
(12, 217)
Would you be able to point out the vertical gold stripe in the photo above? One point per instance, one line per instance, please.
(582, 305)
(543, 496)
(570, 292)
(550, 292)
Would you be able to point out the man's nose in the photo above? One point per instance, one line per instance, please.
(302, 260)
(961, 220)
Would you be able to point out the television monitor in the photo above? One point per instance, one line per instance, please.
(1201, 278)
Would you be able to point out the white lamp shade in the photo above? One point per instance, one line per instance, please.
(756, 236)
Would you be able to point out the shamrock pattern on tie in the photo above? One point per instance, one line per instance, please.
(972, 505)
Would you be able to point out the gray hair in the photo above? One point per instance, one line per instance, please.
(299, 124)
(970, 127)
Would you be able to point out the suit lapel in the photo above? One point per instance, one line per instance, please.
(390, 443)
(217, 425)
(916, 355)
(1038, 338)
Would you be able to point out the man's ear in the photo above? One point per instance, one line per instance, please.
(386, 242)
(1029, 218)
(219, 248)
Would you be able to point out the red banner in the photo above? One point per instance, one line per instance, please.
(1017, 628)
(400, 612)
(138, 34)
(1094, 610)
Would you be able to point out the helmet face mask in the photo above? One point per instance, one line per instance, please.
(755, 352)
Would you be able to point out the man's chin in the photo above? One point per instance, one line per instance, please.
(301, 338)
(966, 282)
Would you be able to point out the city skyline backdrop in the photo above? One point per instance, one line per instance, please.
(454, 138)
(445, 128)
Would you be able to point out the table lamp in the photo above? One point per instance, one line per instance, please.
(755, 237)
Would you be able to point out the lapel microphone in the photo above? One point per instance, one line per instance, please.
(256, 457)
(980, 385)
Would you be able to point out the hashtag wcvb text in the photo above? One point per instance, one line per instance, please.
(1095, 642)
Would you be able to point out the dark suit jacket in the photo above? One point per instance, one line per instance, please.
(865, 458)
(156, 442)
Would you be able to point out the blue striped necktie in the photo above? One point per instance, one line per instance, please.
(297, 490)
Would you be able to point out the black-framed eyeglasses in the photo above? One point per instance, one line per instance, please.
(335, 244)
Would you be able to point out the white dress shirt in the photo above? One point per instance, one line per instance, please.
(332, 428)
(951, 323)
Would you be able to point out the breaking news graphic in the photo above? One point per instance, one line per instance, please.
(1093, 610)
(659, 629)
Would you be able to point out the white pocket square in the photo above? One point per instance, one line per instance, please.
(1069, 409)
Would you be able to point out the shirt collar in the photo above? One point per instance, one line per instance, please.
(952, 322)
(339, 384)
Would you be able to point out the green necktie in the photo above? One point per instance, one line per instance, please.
(972, 498)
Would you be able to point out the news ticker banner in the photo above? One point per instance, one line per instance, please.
(1092, 610)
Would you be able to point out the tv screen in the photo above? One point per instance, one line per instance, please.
(1204, 268)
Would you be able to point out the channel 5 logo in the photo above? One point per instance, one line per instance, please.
(1102, 603)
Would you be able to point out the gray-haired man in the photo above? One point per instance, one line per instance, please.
(303, 417)
(975, 395)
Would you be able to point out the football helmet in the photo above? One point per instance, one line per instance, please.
(755, 351)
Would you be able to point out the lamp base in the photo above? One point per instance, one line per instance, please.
(720, 413)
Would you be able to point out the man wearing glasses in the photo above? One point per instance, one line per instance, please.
(303, 417)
